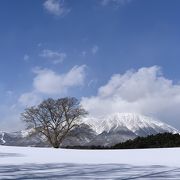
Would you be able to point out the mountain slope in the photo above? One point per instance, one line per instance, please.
(78, 136)
(104, 131)
(120, 127)
(22, 138)
(136, 123)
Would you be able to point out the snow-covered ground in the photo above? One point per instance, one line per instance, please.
(49, 163)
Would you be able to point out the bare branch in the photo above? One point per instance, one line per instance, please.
(54, 118)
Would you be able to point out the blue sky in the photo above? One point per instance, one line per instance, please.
(57, 48)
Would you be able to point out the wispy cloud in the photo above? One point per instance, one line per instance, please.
(95, 49)
(56, 7)
(26, 57)
(92, 82)
(114, 2)
(29, 98)
(92, 51)
(55, 56)
(83, 53)
(39, 44)
(11, 118)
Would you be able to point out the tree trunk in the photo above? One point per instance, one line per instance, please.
(56, 146)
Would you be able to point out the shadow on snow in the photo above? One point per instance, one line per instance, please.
(77, 171)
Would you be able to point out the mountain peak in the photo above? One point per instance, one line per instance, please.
(136, 123)
(104, 131)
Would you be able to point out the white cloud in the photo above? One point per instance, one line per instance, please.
(115, 2)
(54, 56)
(50, 82)
(45, 83)
(144, 91)
(95, 49)
(56, 7)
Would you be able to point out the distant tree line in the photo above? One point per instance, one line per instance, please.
(162, 140)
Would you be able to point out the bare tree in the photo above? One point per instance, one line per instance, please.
(54, 118)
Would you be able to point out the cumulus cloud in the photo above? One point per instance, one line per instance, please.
(50, 82)
(56, 7)
(46, 83)
(144, 91)
(54, 56)
(115, 2)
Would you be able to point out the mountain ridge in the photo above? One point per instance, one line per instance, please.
(132, 121)
(105, 131)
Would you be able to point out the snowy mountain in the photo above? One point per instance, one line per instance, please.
(104, 131)
(21, 138)
(136, 123)
(78, 136)
(120, 127)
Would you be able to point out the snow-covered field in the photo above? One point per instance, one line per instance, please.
(49, 163)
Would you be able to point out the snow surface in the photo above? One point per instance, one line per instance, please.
(20, 155)
(49, 163)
